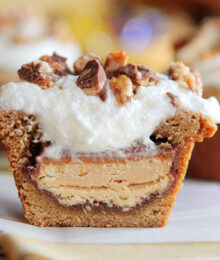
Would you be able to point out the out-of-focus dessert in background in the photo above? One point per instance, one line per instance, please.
(145, 32)
(201, 49)
(197, 8)
(25, 33)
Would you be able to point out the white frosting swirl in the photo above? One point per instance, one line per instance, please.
(76, 122)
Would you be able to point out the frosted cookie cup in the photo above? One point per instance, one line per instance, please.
(107, 146)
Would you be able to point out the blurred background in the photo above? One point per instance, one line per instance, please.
(145, 29)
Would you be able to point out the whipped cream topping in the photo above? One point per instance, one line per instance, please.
(14, 55)
(76, 122)
(210, 71)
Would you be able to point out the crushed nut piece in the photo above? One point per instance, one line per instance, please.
(140, 75)
(103, 94)
(92, 79)
(130, 71)
(36, 72)
(57, 63)
(198, 82)
(186, 77)
(174, 100)
(80, 63)
(114, 61)
(45, 71)
(146, 77)
(122, 88)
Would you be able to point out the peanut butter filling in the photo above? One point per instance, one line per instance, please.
(122, 184)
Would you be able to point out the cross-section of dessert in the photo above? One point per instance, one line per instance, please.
(105, 146)
(201, 50)
(27, 33)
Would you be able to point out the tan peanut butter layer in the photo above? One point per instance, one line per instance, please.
(120, 184)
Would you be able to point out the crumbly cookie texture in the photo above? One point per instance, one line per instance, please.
(136, 190)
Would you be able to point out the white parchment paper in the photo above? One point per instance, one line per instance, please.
(195, 217)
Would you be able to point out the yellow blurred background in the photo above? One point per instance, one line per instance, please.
(145, 31)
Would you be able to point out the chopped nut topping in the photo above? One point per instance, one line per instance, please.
(140, 75)
(45, 71)
(103, 94)
(186, 77)
(79, 65)
(114, 61)
(174, 100)
(57, 63)
(130, 71)
(146, 76)
(36, 72)
(92, 79)
(122, 88)
(123, 78)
